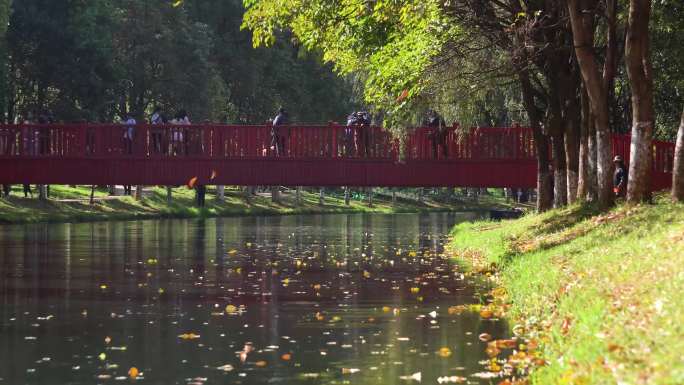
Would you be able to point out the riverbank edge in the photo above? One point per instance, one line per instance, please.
(597, 292)
(26, 211)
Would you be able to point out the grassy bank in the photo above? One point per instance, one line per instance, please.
(71, 204)
(603, 291)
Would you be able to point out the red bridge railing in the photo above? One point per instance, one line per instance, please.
(494, 151)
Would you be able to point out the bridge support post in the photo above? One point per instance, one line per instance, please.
(321, 197)
(347, 195)
(394, 196)
(275, 194)
(220, 193)
(169, 194)
(298, 195)
(138, 192)
(370, 197)
(42, 192)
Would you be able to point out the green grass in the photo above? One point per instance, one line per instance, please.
(17, 209)
(603, 290)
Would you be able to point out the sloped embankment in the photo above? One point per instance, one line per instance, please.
(603, 291)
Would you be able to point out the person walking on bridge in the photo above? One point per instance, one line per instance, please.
(278, 134)
(437, 135)
(129, 133)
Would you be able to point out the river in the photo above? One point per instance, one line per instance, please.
(316, 299)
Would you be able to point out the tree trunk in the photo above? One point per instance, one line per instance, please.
(572, 148)
(221, 193)
(544, 180)
(560, 178)
(638, 60)
(583, 35)
(583, 167)
(92, 194)
(678, 169)
(138, 192)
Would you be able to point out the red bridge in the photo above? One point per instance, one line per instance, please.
(312, 156)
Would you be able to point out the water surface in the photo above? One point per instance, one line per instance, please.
(335, 299)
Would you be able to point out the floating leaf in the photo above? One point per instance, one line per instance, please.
(189, 336)
(286, 357)
(486, 313)
(231, 309)
(485, 337)
(133, 373)
(414, 377)
(444, 352)
(261, 364)
(415, 290)
(226, 368)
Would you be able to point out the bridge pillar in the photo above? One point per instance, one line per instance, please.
(347, 194)
(169, 194)
(321, 197)
(298, 196)
(220, 193)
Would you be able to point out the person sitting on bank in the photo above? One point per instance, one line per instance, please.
(278, 135)
(437, 135)
(620, 177)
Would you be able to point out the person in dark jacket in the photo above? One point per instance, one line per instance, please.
(363, 132)
(352, 120)
(438, 133)
(278, 134)
(619, 177)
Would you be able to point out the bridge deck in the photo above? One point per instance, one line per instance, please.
(243, 155)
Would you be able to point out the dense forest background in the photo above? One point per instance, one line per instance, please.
(96, 60)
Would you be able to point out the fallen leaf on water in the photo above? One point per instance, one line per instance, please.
(486, 313)
(415, 290)
(350, 370)
(286, 357)
(366, 274)
(386, 309)
(414, 377)
(451, 379)
(232, 252)
(317, 287)
(107, 340)
(444, 352)
(484, 337)
(231, 309)
(102, 356)
(133, 373)
(319, 316)
(189, 336)
(226, 368)
(261, 364)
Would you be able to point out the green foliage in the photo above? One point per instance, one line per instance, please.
(97, 60)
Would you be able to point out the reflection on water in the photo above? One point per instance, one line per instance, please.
(357, 299)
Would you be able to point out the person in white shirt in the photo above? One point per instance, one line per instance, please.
(129, 133)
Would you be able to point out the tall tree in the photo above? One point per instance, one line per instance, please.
(5, 7)
(638, 59)
(581, 16)
(678, 171)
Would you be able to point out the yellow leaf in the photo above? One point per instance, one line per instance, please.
(444, 352)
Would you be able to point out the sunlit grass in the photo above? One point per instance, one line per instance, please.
(614, 280)
(71, 203)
